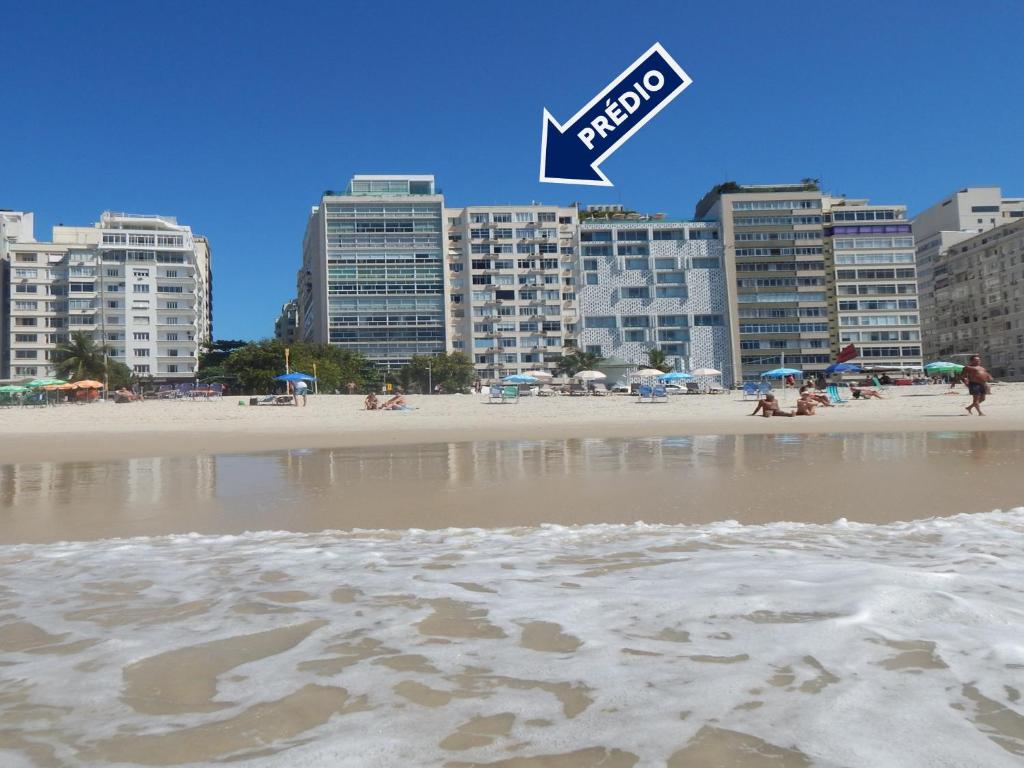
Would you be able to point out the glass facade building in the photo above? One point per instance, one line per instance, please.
(372, 278)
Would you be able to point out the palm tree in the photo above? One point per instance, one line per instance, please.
(658, 359)
(577, 361)
(80, 358)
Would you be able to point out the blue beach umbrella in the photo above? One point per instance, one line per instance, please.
(521, 378)
(842, 368)
(297, 376)
(778, 373)
(674, 376)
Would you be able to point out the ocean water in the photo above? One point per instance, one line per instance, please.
(782, 644)
(829, 600)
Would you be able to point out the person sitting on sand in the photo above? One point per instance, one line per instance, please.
(807, 392)
(865, 393)
(769, 406)
(806, 404)
(396, 403)
(370, 403)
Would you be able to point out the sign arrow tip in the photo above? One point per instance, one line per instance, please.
(563, 158)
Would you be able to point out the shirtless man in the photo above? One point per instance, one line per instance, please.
(807, 392)
(976, 378)
(769, 406)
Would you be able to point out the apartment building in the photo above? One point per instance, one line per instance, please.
(937, 229)
(15, 227)
(649, 283)
(512, 286)
(977, 300)
(773, 258)
(287, 324)
(870, 257)
(139, 284)
(372, 277)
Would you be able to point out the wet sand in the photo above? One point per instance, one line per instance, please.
(874, 478)
(161, 428)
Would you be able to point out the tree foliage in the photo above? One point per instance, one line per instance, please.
(254, 366)
(453, 372)
(577, 361)
(80, 357)
(658, 359)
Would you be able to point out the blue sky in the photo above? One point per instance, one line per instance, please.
(234, 117)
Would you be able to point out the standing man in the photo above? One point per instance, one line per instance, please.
(976, 378)
(301, 388)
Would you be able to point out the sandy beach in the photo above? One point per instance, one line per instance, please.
(168, 428)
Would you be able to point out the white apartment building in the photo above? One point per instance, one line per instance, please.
(15, 227)
(869, 250)
(140, 285)
(978, 300)
(654, 283)
(511, 273)
(938, 228)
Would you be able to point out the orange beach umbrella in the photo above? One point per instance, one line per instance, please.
(88, 384)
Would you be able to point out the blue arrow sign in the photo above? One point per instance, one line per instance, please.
(570, 154)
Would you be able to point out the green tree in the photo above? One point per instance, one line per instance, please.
(213, 357)
(453, 372)
(255, 365)
(577, 361)
(80, 357)
(658, 359)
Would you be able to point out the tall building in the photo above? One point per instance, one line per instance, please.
(372, 277)
(139, 285)
(937, 229)
(869, 254)
(287, 324)
(15, 227)
(655, 284)
(977, 300)
(772, 239)
(512, 286)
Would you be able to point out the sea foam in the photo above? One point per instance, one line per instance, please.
(832, 645)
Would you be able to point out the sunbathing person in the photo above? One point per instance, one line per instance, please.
(807, 391)
(805, 405)
(370, 403)
(769, 406)
(865, 393)
(396, 403)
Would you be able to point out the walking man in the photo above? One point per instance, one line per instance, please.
(301, 388)
(976, 378)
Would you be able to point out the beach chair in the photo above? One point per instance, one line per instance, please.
(878, 385)
(692, 388)
(764, 389)
(494, 394)
(833, 395)
(749, 388)
(510, 393)
(644, 394)
(659, 394)
(547, 391)
(216, 390)
(577, 389)
(601, 390)
(715, 388)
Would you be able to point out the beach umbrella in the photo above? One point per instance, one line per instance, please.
(13, 388)
(675, 376)
(296, 376)
(842, 368)
(645, 373)
(44, 382)
(520, 378)
(542, 375)
(88, 384)
(779, 373)
(706, 372)
(589, 376)
(941, 366)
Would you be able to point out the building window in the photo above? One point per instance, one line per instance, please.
(140, 368)
(708, 320)
(600, 322)
(140, 288)
(141, 335)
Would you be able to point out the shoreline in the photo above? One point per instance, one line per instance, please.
(109, 432)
